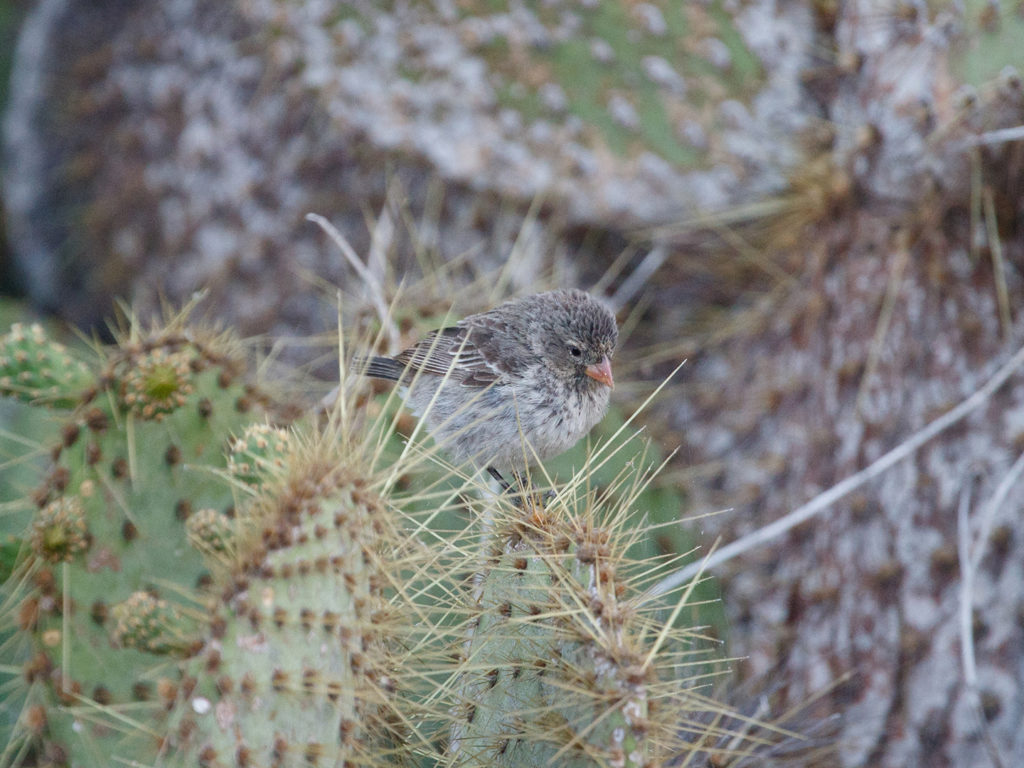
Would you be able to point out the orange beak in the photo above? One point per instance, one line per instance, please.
(601, 372)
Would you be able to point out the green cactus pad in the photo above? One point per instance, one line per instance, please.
(190, 597)
(566, 664)
(115, 576)
(990, 43)
(298, 668)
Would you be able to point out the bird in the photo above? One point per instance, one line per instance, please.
(522, 382)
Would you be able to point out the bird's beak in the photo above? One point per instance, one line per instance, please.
(601, 372)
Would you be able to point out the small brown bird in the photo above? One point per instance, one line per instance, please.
(521, 382)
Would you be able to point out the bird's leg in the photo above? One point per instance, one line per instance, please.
(518, 491)
(536, 499)
(522, 481)
(505, 487)
(524, 489)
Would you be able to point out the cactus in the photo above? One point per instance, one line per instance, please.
(566, 663)
(296, 666)
(203, 588)
(988, 48)
(259, 451)
(35, 368)
(103, 593)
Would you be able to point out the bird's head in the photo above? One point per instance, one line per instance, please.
(578, 335)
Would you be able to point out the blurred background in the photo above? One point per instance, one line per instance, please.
(816, 203)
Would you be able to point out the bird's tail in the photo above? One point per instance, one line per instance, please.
(379, 368)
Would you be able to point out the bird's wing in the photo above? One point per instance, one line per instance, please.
(474, 350)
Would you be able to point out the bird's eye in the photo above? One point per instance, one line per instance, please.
(575, 351)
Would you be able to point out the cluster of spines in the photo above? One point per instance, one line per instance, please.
(59, 530)
(259, 453)
(159, 382)
(210, 530)
(151, 624)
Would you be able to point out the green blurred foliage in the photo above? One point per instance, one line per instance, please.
(991, 43)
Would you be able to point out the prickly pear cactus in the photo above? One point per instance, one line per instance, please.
(566, 664)
(297, 665)
(200, 587)
(107, 592)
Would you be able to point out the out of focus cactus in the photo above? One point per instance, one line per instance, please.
(617, 114)
(36, 369)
